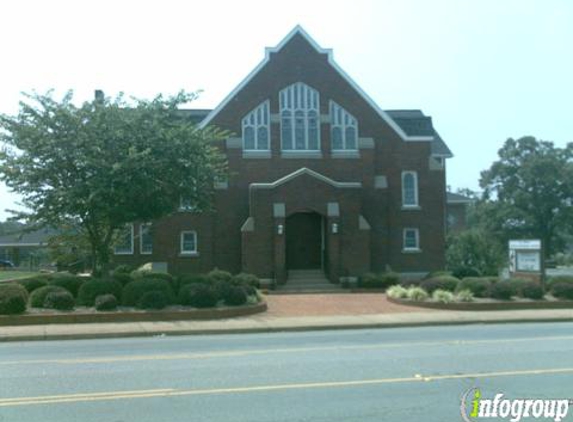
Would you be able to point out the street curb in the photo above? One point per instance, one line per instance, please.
(286, 329)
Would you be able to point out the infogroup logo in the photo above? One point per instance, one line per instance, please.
(475, 407)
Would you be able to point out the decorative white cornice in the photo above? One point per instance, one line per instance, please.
(309, 172)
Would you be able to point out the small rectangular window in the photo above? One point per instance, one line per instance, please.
(124, 242)
(411, 241)
(189, 242)
(145, 239)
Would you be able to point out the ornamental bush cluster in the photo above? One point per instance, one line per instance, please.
(140, 289)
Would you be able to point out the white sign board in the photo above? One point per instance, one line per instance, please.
(528, 261)
(525, 255)
(525, 244)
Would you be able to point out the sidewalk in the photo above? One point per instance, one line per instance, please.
(291, 313)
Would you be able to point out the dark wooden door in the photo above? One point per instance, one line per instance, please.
(304, 241)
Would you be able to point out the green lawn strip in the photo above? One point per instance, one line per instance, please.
(15, 275)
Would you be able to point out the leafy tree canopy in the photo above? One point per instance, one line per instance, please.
(528, 192)
(106, 163)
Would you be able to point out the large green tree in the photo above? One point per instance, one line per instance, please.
(528, 192)
(106, 163)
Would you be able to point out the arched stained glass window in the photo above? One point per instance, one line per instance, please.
(256, 129)
(409, 189)
(343, 128)
(300, 118)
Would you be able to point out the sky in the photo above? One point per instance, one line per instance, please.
(484, 70)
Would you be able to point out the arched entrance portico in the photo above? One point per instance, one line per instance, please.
(305, 245)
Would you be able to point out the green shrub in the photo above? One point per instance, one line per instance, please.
(106, 302)
(473, 253)
(155, 299)
(97, 287)
(33, 283)
(378, 281)
(559, 279)
(13, 298)
(134, 290)
(443, 296)
(62, 301)
(121, 277)
(235, 296)
(410, 282)
(417, 294)
(123, 268)
(70, 282)
(38, 296)
(192, 279)
(563, 290)
(463, 272)
(532, 290)
(502, 290)
(479, 286)
(465, 296)
(397, 292)
(438, 273)
(445, 282)
(198, 295)
(217, 275)
(517, 285)
(245, 279)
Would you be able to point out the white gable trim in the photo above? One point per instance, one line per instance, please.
(309, 172)
(299, 30)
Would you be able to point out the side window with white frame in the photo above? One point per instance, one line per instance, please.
(410, 189)
(145, 239)
(343, 129)
(188, 242)
(300, 118)
(256, 129)
(411, 239)
(124, 242)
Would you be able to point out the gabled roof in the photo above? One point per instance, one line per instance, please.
(34, 238)
(300, 31)
(416, 123)
(309, 172)
(456, 198)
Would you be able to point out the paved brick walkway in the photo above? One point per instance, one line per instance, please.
(295, 305)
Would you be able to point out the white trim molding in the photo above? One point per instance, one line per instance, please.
(298, 30)
(126, 252)
(307, 171)
(147, 227)
(410, 200)
(182, 250)
(416, 247)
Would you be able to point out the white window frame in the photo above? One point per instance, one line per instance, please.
(343, 120)
(416, 203)
(182, 251)
(141, 228)
(130, 252)
(259, 117)
(299, 98)
(185, 205)
(415, 248)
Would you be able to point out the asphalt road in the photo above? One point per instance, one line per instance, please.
(409, 374)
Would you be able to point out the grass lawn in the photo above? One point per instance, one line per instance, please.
(13, 275)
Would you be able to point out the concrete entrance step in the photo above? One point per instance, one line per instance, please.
(306, 275)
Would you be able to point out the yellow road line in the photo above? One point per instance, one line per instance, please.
(251, 352)
(118, 395)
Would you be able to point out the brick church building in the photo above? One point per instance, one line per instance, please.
(321, 178)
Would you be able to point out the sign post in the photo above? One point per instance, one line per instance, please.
(526, 259)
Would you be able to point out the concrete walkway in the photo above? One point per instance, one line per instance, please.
(288, 313)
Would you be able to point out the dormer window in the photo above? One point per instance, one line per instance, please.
(256, 129)
(343, 129)
(300, 118)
